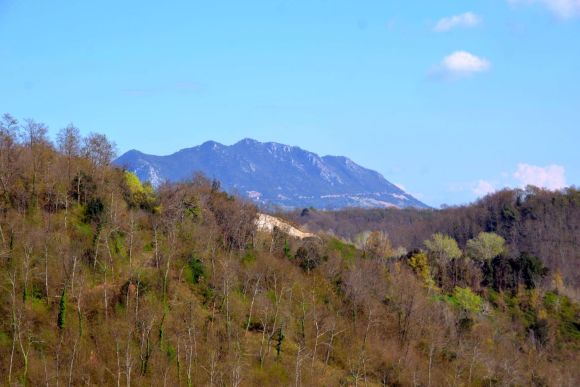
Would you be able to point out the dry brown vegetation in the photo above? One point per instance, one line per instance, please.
(107, 282)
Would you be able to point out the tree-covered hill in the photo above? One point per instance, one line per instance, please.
(106, 281)
(542, 222)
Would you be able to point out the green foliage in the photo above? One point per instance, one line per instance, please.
(197, 269)
(568, 314)
(118, 239)
(286, 249)
(531, 268)
(509, 213)
(133, 183)
(279, 340)
(208, 293)
(170, 352)
(486, 246)
(442, 247)
(309, 255)
(24, 294)
(493, 297)
(541, 331)
(37, 292)
(419, 262)
(192, 208)
(94, 210)
(84, 229)
(140, 195)
(468, 301)
(509, 273)
(62, 309)
(347, 251)
(148, 247)
(248, 257)
(552, 300)
(5, 340)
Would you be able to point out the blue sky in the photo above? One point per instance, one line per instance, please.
(450, 99)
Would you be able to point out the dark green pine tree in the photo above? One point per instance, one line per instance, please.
(61, 320)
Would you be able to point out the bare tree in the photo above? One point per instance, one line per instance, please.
(69, 144)
(99, 149)
(35, 138)
(9, 134)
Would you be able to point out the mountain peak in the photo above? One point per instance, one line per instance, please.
(248, 141)
(211, 144)
(133, 152)
(274, 174)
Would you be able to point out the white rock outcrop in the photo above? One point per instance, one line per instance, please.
(268, 222)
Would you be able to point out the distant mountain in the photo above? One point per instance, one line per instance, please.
(274, 174)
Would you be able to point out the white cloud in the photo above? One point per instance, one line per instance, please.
(468, 19)
(464, 62)
(400, 186)
(564, 9)
(552, 177)
(460, 64)
(483, 188)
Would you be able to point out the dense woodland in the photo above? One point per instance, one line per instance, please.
(541, 222)
(105, 281)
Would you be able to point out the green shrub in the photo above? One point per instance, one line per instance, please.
(94, 210)
(346, 251)
(248, 258)
(61, 319)
(196, 268)
(468, 301)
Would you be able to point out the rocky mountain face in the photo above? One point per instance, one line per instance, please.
(274, 174)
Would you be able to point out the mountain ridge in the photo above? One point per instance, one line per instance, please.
(274, 174)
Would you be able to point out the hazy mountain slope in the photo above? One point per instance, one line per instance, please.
(274, 174)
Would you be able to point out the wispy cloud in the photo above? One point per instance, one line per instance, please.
(483, 187)
(551, 177)
(460, 64)
(564, 9)
(468, 19)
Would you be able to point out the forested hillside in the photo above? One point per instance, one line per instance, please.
(106, 281)
(541, 222)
